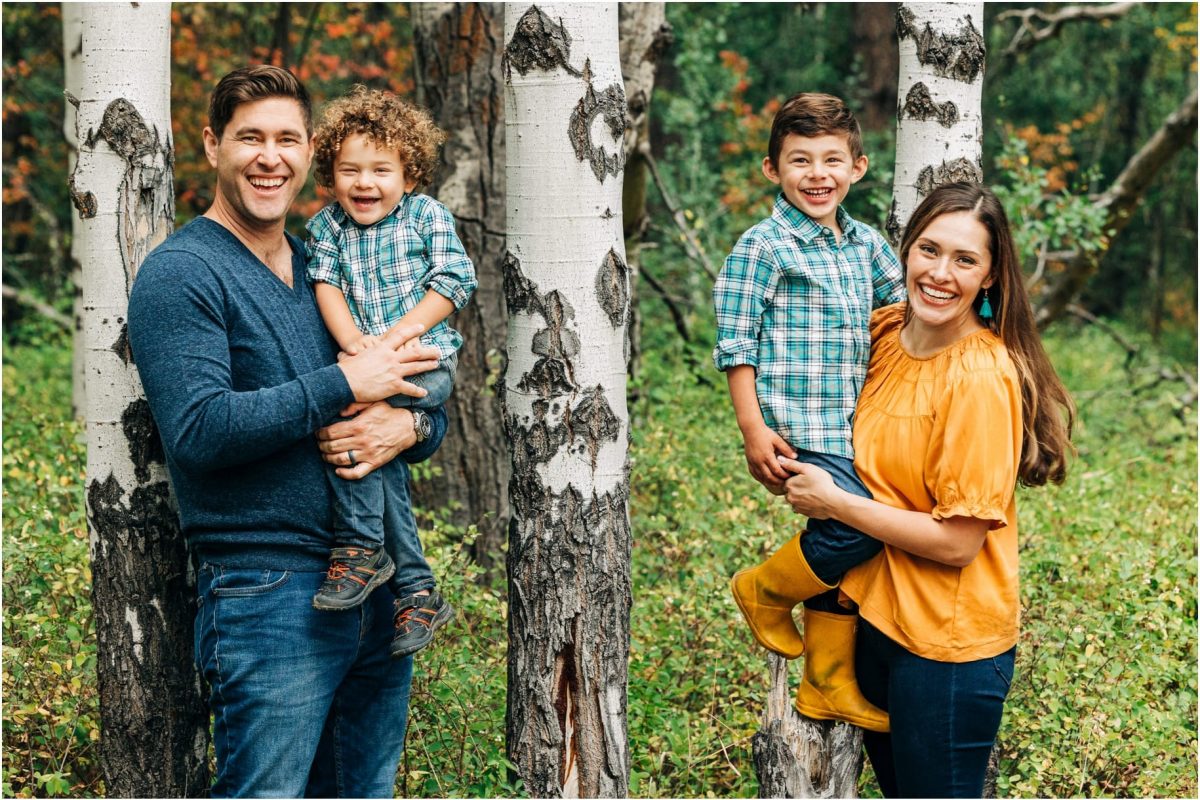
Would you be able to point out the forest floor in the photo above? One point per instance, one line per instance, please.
(1104, 699)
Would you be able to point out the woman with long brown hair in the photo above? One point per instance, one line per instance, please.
(961, 403)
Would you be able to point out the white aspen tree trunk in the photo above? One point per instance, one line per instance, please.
(567, 291)
(939, 127)
(153, 718)
(457, 50)
(72, 25)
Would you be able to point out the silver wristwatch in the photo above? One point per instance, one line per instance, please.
(422, 425)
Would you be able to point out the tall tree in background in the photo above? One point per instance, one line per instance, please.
(153, 717)
(567, 291)
(645, 36)
(939, 128)
(875, 46)
(72, 29)
(457, 52)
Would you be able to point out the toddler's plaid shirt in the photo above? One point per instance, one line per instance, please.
(385, 269)
(796, 305)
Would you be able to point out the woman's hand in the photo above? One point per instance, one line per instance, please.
(811, 490)
(374, 437)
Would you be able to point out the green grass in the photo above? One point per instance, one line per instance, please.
(1104, 700)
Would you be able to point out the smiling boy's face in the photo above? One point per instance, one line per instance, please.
(368, 181)
(816, 173)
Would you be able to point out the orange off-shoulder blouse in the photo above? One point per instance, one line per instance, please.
(941, 435)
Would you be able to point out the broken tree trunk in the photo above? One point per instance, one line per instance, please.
(457, 50)
(567, 291)
(153, 715)
(939, 135)
(795, 756)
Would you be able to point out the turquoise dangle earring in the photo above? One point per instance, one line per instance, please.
(985, 310)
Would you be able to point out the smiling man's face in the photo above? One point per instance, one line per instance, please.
(262, 161)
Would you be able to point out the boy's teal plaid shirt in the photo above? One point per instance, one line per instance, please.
(385, 269)
(796, 305)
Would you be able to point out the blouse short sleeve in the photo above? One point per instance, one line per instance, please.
(975, 444)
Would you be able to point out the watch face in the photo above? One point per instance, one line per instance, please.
(422, 425)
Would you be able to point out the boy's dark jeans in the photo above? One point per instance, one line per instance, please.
(376, 510)
(831, 547)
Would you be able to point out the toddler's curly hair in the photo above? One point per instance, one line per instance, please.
(389, 122)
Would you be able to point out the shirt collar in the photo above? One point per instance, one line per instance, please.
(805, 227)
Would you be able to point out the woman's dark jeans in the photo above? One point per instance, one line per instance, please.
(944, 717)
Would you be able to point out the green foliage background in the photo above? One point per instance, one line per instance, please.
(1105, 698)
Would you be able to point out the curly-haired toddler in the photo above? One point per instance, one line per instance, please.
(380, 256)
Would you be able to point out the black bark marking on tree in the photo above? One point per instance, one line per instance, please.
(610, 106)
(959, 55)
(145, 446)
(121, 347)
(125, 131)
(612, 288)
(520, 294)
(919, 104)
(664, 37)
(538, 42)
(556, 344)
(906, 22)
(593, 420)
(84, 202)
(892, 226)
(147, 660)
(960, 169)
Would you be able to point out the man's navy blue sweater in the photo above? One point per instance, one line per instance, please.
(240, 372)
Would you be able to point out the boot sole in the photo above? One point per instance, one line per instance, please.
(438, 621)
(829, 716)
(321, 603)
(737, 598)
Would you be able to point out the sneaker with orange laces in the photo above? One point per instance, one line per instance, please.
(354, 572)
(417, 617)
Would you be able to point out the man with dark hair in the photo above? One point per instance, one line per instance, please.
(240, 372)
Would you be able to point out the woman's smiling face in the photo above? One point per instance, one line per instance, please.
(946, 267)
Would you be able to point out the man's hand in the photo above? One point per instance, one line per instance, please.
(379, 372)
(361, 445)
(763, 448)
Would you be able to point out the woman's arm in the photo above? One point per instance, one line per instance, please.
(954, 541)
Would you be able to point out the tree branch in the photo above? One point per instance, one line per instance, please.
(677, 316)
(694, 250)
(1029, 34)
(1119, 203)
(29, 301)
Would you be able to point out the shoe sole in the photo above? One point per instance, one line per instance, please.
(829, 716)
(437, 622)
(737, 598)
(377, 580)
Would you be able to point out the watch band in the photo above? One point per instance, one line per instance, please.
(422, 425)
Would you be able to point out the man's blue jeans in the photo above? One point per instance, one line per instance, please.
(305, 703)
(377, 510)
(831, 547)
(944, 716)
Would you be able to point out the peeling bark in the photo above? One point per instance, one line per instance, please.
(153, 714)
(566, 285)
(939, 130)
(457, 53)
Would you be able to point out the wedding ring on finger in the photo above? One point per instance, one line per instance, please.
(350, 455)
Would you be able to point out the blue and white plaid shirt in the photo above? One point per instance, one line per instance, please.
(385, 269)
(796, 304)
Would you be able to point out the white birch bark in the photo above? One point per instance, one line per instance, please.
(939, 128)
(153, 718)
(72, 25)
(567, 291)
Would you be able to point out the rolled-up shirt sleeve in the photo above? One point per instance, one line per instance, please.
(451, 273)
(740, 295)
(887, 275)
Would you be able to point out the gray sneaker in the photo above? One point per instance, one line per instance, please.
(354, 572)
(417, 617)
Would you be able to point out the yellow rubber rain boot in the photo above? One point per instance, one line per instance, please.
(766, 595)
(829, 689)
